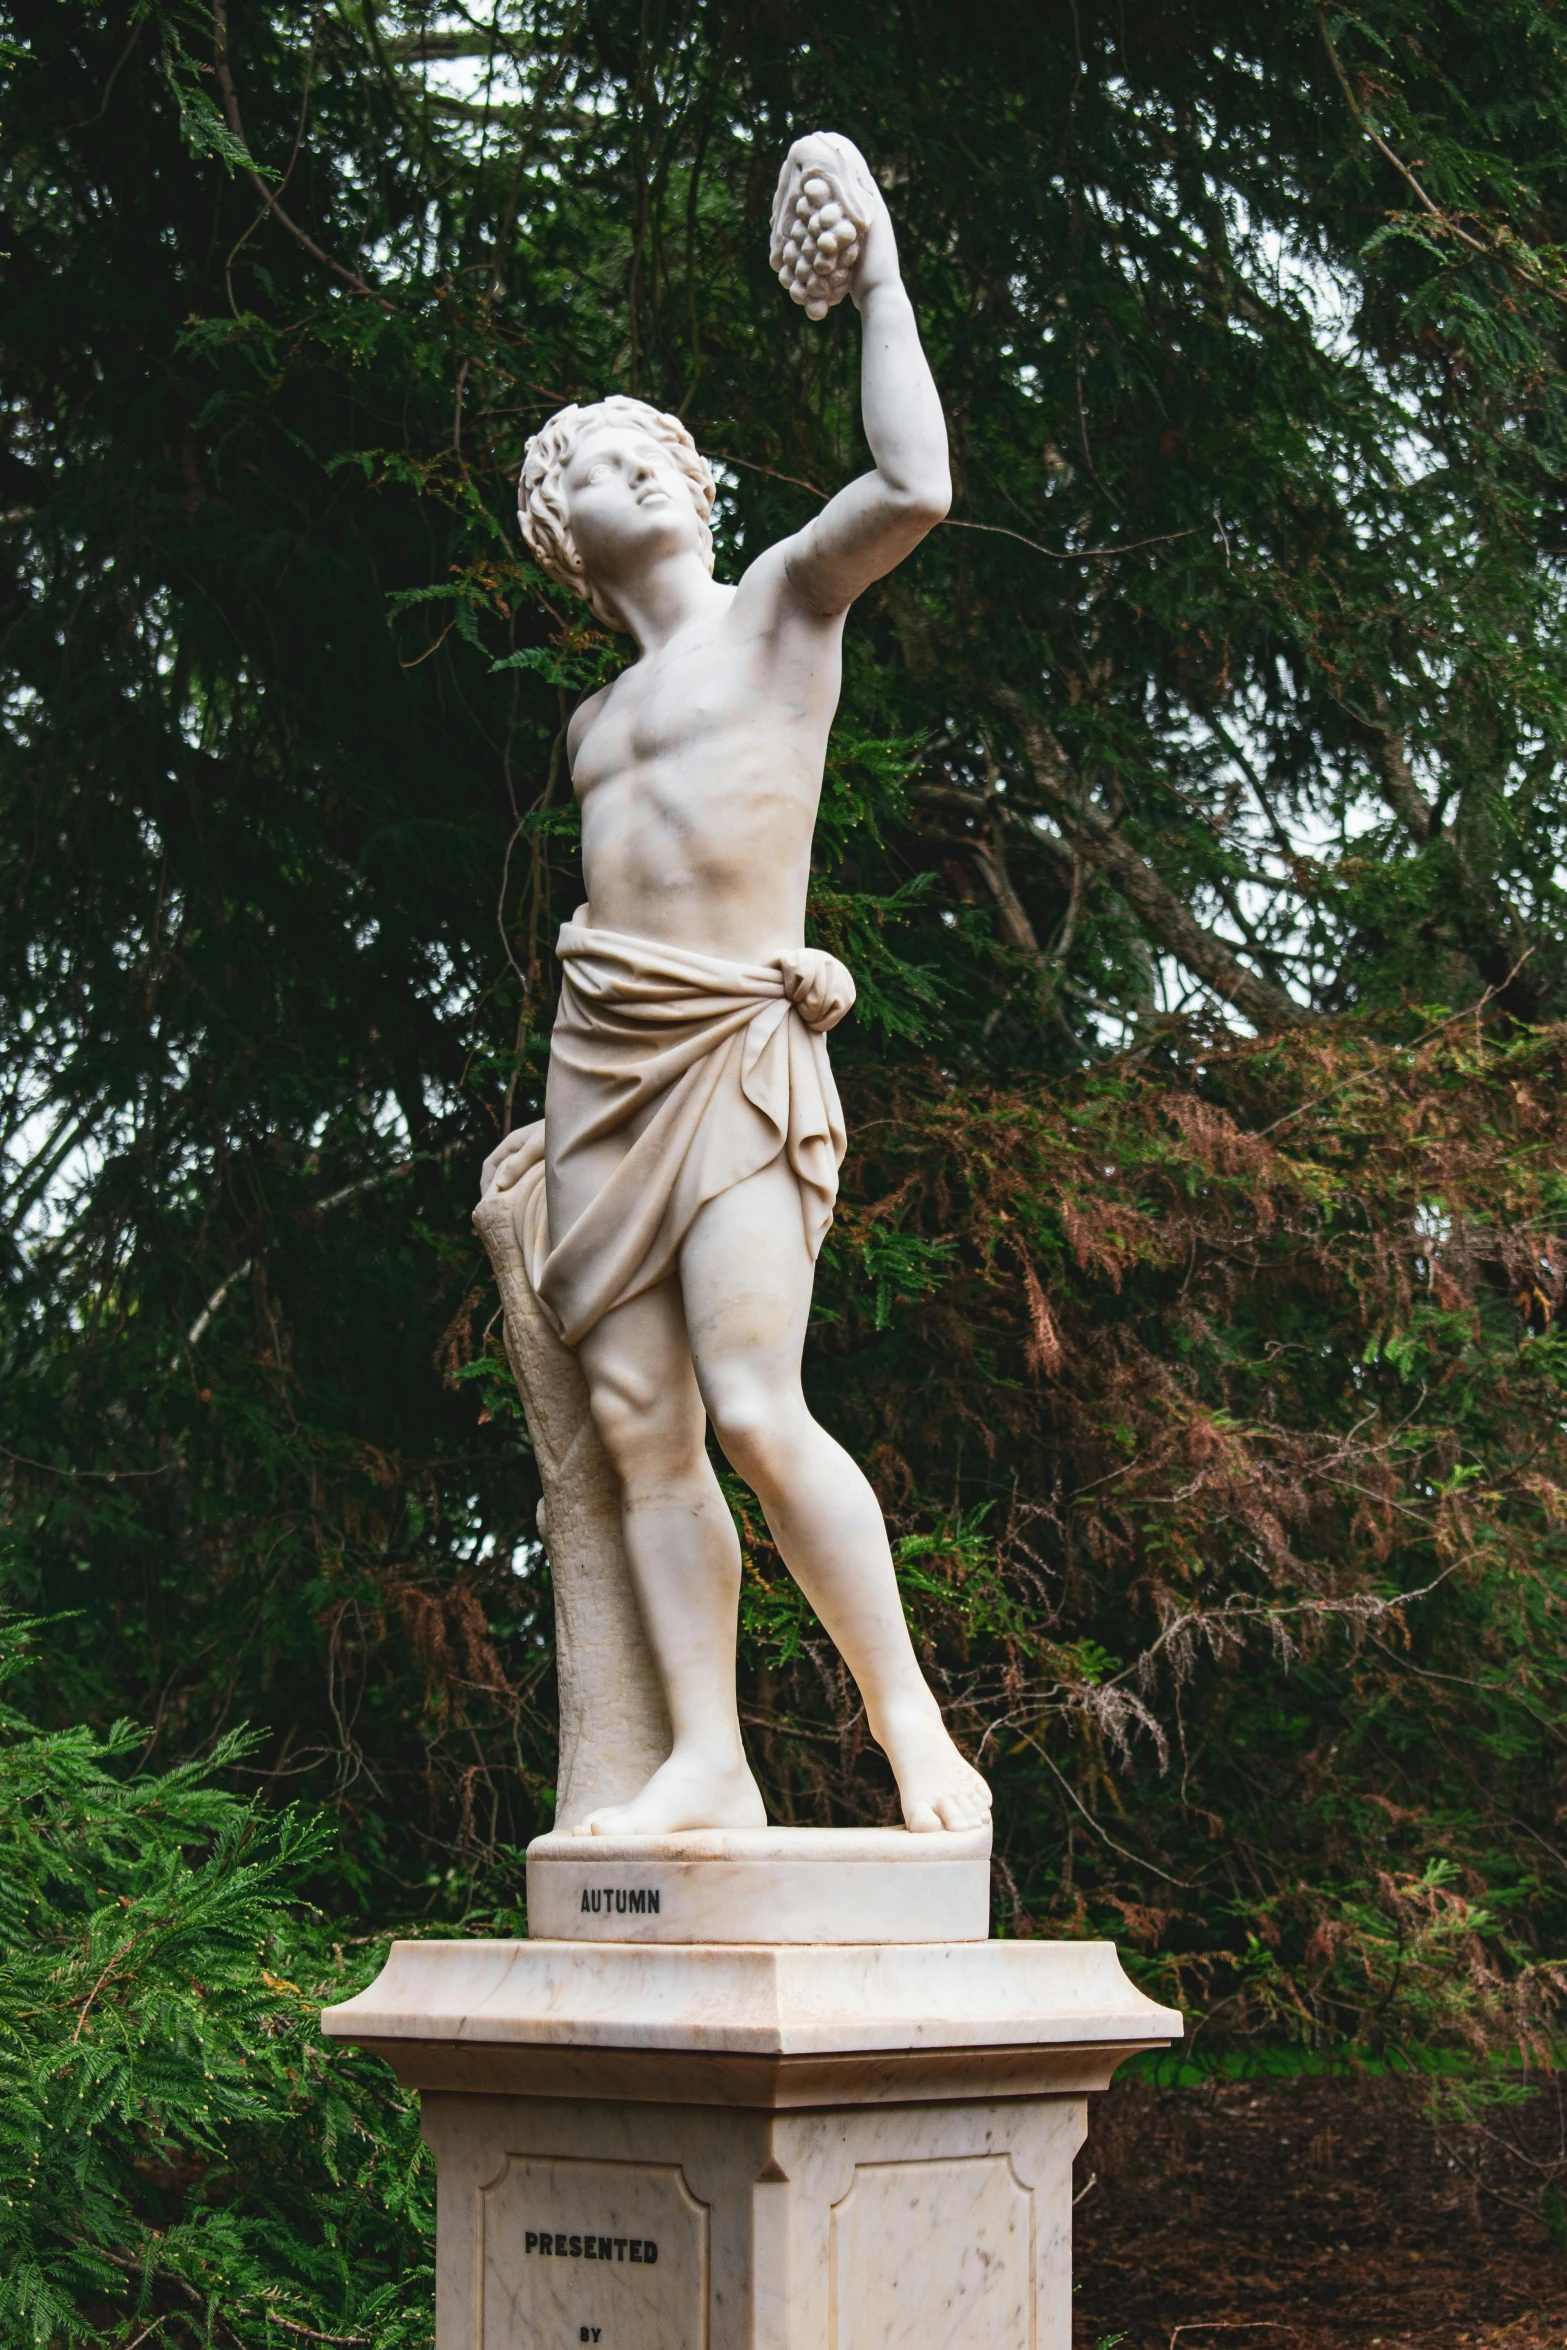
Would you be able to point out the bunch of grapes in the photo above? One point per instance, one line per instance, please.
(817, 234)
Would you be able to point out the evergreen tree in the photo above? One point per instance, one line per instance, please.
(182, 2157)
(1193, 828)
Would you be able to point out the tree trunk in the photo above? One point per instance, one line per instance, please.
(614, 1730)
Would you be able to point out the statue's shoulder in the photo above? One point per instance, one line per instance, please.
(769, 585)
(768, 573)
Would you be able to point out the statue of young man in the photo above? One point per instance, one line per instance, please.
(685, 1172)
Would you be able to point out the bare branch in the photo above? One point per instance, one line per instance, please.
(461, 110)
(1169, 923)
(1016, 928)
(417, 46)
(1390, 757)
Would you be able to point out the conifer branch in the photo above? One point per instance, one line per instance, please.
(1499, 246)
(350, 277)
(320, 1207)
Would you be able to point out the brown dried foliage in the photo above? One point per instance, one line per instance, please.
(1235, 1526)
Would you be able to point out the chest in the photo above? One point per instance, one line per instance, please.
(707, 687)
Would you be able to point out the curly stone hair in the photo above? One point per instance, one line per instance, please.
(541, 499)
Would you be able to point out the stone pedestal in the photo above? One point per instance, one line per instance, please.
(754, 2147)
(771, 1885)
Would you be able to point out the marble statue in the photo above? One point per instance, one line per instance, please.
(756, 2087)
(657, 1231)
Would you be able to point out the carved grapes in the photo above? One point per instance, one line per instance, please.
(821, 214)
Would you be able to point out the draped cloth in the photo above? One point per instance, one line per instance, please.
(673, 1076)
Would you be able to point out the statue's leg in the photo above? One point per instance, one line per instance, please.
(684, 1559)
(746, 1276)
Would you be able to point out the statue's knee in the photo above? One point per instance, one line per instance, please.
(618, 1415)
(639, 1428)
(752, 1430)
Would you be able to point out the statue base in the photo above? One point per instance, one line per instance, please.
(780, 1885)
(770, 2147)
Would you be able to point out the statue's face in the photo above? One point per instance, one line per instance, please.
(628, 501)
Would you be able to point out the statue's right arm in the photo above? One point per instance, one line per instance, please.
(868, 528)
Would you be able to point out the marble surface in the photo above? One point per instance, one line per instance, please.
(822, 211)
(941, 2246)
(614, 1730)
(773, 2000)
(928, 2226)
(810, 2148)
(661, 1223)
(746, 1885)
(620, 2249)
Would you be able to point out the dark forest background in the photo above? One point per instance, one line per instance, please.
(1193, 827)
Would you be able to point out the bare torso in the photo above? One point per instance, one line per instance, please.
(699, 771)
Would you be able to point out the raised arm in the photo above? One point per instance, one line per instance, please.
(869, 527)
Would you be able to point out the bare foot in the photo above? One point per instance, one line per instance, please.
(936, 1787)
(688, 1791)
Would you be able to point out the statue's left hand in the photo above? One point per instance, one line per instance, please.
(817, 985)
(831, 233)
(507, 1162)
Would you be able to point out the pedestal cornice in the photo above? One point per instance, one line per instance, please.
(776, 2025)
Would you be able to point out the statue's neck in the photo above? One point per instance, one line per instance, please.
(657, 603)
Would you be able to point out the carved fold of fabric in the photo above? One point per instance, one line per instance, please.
(673, 1077)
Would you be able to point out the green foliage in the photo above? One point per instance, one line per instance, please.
(182, 2157)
